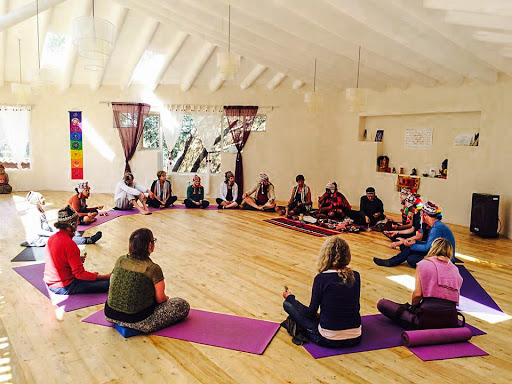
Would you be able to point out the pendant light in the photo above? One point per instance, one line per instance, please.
(356, 97)
(228, 63)
(313, 99)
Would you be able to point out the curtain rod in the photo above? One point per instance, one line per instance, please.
(198, 107)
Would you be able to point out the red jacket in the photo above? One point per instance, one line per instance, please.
(62, 261)
(76, 204)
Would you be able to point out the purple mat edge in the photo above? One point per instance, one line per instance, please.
(445, 351)
(472, 288)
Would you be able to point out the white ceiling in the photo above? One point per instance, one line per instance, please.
(403, 42)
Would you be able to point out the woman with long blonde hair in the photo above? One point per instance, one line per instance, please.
(436, 292)
(336, 291)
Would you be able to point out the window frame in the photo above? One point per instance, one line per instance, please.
(19, 167)
(160, 147)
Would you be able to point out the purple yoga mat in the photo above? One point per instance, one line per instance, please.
(34, 275)
(216, 329)
(112, 214)
(435, 336)
(210, 207)
(379, 332)
(471, 289)
(447, 351)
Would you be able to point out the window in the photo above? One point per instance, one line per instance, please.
(14, 137)
(148, 67)
(151, 133)
(259, 125)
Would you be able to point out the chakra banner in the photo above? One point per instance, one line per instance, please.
(75, 137)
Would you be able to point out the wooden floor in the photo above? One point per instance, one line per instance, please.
(230, 262)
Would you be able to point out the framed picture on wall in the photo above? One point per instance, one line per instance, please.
(379, 135)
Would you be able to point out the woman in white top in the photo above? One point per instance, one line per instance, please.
(228, 192)
(128, 192)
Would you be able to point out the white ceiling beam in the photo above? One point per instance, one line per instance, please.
(145, 36)
(276, 80)
(452, 33)
(399, 25)
(197, 66)
(170, 54)
(256, 72)
(72, 54)
(297, 84)
(479, 20)
(21, 14)
(3, 44)
(216, 82)
(97, 80)
(494, 7)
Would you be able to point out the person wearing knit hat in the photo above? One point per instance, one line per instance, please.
(228, 192)
(64, 272)
(195, 195)
(414, 231)
(87, 215)
(264, 199)
(300, 200)
(42, 230)
(332, 203)
(128, 193)
(162, 189)
(371, 209)
(415, 251)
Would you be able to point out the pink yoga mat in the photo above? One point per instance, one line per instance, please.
(34, 275)
(435, 336)
(112, 214)
(447, 351)
(216, 329)
(379, 332)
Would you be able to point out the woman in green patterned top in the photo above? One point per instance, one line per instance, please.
(136, 297)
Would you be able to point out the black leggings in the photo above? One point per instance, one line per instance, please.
(156, 204)
(191, 204)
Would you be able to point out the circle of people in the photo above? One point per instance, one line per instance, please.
(136, 286)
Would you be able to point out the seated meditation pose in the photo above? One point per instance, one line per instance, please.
(336, 291)
(42, 229)
(415, 251)
(371, 209)
(406, 215)
(413, 205)
(265, 198)
(300, 200)
(86, 215)
(332, 203)
(64, 271)
(228, 192)
(195, 195)
(136, 298)
(128, 192)
(435, 295)
(5, 188)
(162, 191)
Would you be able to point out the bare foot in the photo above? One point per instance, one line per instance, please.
(145, 212)
(395, 244)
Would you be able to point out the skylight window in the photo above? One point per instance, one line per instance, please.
(148, 67)
(54, 50)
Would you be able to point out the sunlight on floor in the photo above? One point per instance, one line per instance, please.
(475, 260)
(471, 307)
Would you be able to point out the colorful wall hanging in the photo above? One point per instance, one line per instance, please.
(75, 137)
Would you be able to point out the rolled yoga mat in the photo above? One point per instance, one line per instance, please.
(435, 336)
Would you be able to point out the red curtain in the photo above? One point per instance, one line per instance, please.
(129, 119)
(240, 120)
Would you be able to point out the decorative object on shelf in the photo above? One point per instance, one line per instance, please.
(357, 97)
(443, 172)
(94, 38)
(228, 62)
(414, 172)
(411, 182)
(394, 170)
(402, 170)
(312, 99)
(379, 135)
(426, 175)
(476, 140)
(20, 90)
(383, 164)
(365, 134)
(432, 172)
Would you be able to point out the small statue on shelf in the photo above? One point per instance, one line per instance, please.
(414, 172)
(394, 170)
(383, 164)
(443, 172)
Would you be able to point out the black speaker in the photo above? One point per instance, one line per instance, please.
(484, 214)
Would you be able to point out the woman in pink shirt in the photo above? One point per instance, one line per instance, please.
(435, 295)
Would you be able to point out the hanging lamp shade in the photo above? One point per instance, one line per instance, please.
(94, 37)
(357, 97)
(229, 64)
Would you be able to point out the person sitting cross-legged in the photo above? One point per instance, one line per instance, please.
(195, 195)
(415, 251)
(128, 192)
(228, 192)
(162, 191)
(332, 203)
(371, 209)
(436, 292)
(136, 298)
(300, 200)
(265, 198)
(86, 215)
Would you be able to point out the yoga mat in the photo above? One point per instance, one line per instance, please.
(304, 228)
(34, 275)
(216, 329)
(112, 214)
(30, 254)
(182, 206)
(379, 332)
(447, 351)
(435, 336)
(472, 290)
